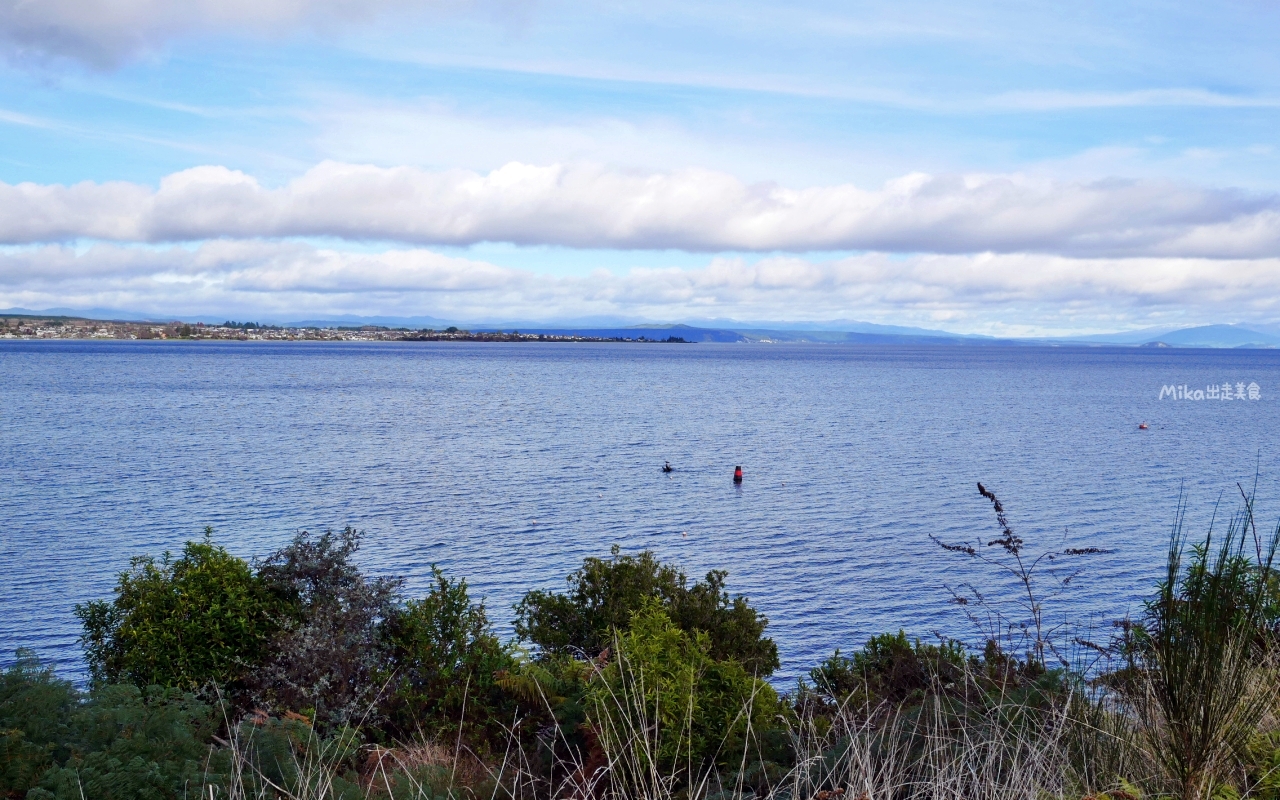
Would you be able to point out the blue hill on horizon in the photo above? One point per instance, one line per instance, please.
(728, 331)
(1212, 336)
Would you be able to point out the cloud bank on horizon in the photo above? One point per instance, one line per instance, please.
(695, 210)
(290, 279)
(1008, 170)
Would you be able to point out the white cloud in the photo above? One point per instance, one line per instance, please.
(695, 210)
(977, 293)
(105, 33)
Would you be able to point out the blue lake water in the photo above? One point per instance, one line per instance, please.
(507, 464)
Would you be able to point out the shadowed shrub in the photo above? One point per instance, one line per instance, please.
(326, 659)
(125, 743)
(443, 659)
(35, 719)
(604, 595)
(891, 668)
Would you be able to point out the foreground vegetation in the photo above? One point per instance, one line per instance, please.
(298, 676)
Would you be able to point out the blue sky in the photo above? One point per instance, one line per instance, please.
(994, 167)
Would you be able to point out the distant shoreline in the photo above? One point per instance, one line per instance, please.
(98, 330)
(51, 326)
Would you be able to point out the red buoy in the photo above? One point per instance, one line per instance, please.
(737, 474)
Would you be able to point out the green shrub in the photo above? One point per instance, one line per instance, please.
(35, 714)
(203, 617)
(130, 744)
(902, 673)
(604, 595)
(1203, 677)
(551, 695)
(663, 699)
(890, 668)
(443, 661)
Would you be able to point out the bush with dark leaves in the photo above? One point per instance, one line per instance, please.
(605, 594)
(327, 657)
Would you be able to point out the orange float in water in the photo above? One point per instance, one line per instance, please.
(737, 474)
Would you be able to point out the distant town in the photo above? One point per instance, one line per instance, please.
(30, 327)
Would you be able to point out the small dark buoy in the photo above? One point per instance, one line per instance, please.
(1142, 426)
(666, 467)
(737, 474)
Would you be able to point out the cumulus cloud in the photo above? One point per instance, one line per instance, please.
(104, 33)
(969, 292)
(695, 210)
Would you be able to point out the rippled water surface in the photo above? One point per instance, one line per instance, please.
(507, 464)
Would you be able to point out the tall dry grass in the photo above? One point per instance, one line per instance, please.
(998, 751)
(1079, 745)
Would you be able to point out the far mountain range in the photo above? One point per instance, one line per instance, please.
(717, 330)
